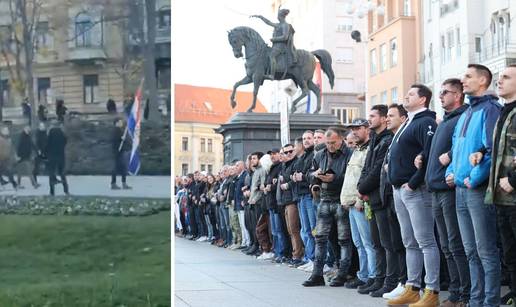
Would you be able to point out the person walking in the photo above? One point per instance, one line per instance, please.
(24, 151)
(41, 144)
(55, 152)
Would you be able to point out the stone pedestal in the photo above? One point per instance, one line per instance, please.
(245, 133)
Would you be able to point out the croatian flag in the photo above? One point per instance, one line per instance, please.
(133, 128)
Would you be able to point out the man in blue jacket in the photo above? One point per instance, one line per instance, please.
(477, 222)
(412, 201)
(443, 196)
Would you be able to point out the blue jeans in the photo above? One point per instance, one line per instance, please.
(225, 224)
(307, 217)
(477, 224)
(277, 233)
(414, 211)
(361, 234)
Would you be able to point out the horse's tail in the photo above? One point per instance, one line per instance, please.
(324, 58)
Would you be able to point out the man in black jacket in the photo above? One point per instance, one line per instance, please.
(305, 206)
(41, 144)
(412, 200)
(328, 172)
(369, 188)
(270, 191)
(24, 153)
(55, 151)
(443, 196)
(121, 147)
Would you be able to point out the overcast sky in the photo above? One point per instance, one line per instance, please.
(201, 54)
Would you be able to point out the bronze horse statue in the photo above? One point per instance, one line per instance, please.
(257, 65)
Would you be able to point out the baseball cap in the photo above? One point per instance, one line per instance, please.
(358, 122)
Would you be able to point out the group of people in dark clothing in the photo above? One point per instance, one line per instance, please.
(400, 190)
(25, 155)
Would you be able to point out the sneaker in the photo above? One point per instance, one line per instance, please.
(115, 187)
(260, 257)
(304, 266)
(268, 256)
(309, 268)
(380, 292)
(296, 263)
(430, 299)
(394, 293)
(326, 269)
(354, 283)
(409, 296)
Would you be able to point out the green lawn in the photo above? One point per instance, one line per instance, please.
(78, 261)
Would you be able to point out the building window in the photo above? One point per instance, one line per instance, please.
(394, 52)
(83, 26)
(90, 88)
(372, 61)
(383, 57)
(406, 8)
(210, 169)
(345, 115)
(184, 144)
(478, 44)
(451, 45)
(443, 49)
(4, 92)
(184, 169)
(429, 3)
(344, 24)
(394, 95)
(373, 100)
(210, 145)
(164, 18)
(203, 145)
(344, 85)
(203, 167)
(42, 35)
(344, 55)
(383, 97)
(43, 90)
(457, 31)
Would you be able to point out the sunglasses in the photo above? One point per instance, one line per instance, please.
(288, 152)
(444, 92)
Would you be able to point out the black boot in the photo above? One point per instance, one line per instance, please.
(371, 285)
(314, 281)
(338, 281)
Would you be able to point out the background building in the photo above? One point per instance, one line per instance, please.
(459, 32)
(198, 112)
(84, 53)
(393, 50)
(323, 24)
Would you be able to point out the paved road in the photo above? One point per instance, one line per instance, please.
(209, 276)
(142, 186)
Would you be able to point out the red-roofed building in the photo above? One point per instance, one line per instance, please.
(198, 112)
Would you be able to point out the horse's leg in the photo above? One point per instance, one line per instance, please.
(317, 91)
(245, 80)
(304, 92)
(257, 80)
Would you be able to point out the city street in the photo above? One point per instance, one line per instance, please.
(142, 186)
(206, 275)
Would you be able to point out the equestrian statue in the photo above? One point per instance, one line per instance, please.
(282, 61)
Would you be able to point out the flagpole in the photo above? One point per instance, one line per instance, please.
(140, 88)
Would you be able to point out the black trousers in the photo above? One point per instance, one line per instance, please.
(506, 218)
(38, 161)
(56, 167)
(327, 214)
(192, 220)
(388, 233)
(250, 223)
(120, 167)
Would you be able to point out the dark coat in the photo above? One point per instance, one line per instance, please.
(369, 182)
(303, 165)
(56, 143)
(116, 140)
(271, 201)
(25, 146)
(285, 197)
(41, 140)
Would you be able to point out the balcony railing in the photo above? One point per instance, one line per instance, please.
(494, 51)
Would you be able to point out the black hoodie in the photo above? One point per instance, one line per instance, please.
(410, 141)
(369, 182)
(441, 143)
(303, 165)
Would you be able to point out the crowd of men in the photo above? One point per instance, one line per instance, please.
(397, 190)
